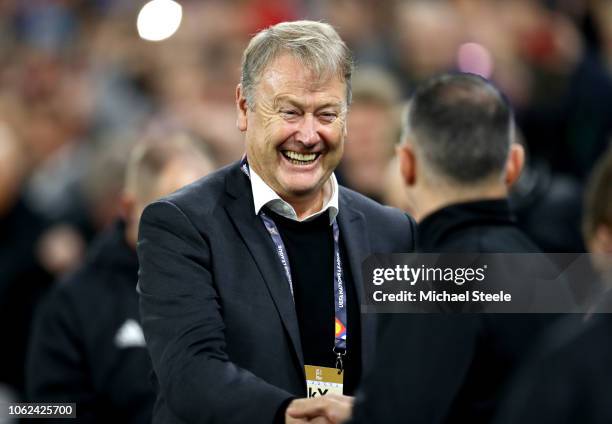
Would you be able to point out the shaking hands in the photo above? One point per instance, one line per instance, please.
(329, 409)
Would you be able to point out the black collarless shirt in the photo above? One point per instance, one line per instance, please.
(310, 248)
(485, 226)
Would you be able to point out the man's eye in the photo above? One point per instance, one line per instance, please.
(289, 113)
(328, 116)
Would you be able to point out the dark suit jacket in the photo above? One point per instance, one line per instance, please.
(216, 308)
(438, 368)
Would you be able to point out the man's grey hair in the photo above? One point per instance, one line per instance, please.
(316, 45)
(462, 127)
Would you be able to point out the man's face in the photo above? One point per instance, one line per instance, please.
(295, 131)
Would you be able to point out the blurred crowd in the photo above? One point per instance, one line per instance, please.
(78, 88)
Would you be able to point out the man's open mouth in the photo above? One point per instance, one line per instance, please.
(300, 158)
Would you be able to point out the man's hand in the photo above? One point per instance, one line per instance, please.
(334, 409)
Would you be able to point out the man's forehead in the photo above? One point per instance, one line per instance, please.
(288, 75)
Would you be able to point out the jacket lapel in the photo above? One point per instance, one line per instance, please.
(262, 249)
(354, 233)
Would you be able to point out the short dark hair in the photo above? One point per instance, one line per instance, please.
(462, 125)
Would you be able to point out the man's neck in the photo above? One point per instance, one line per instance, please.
(430, 200)
(305, 206)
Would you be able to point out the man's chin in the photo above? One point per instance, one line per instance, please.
(302, 189)
(301, 192)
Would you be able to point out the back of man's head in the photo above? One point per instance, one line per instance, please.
(461, 127)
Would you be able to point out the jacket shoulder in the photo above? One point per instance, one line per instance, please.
(384, 223)
(203, 195)
(212, 184)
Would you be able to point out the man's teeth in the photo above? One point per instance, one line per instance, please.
(300, 157)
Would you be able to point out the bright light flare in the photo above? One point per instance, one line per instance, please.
(159, 19)
(476, 59)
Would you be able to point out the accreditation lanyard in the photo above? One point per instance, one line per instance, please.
(340, 321)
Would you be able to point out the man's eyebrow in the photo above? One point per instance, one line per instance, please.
(295, 102)
(288, 99)
(339, 104)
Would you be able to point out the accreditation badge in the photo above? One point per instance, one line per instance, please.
(321, 381)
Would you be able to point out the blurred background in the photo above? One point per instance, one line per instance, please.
(82, 80)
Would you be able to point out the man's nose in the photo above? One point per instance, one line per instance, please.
(307, 133)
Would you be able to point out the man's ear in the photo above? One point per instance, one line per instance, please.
(407, 163)
(128, 211)
(514, 165)
(127, 203)
(241, 109)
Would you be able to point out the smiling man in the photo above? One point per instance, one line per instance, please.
(250, 279)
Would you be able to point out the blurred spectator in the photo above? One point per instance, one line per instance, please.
(22, 278)
(374, 127)
(87, 345)
(548, 207)
(569, 380)
(101, 185)
(60, 249)
(90, 203)
(597, 222)
(357, 23)
(567, 120)
(394, 193)
(427, 35)
(601, 11)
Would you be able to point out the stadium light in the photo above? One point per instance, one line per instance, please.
(159, 19)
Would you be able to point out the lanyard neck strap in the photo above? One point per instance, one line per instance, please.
(340, 324)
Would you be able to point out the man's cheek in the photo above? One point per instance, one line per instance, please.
(340, 129)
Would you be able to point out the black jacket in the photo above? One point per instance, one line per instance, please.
(87, 345)
(216, 308)
(484, 227)
(23, 283)
(437, 368)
